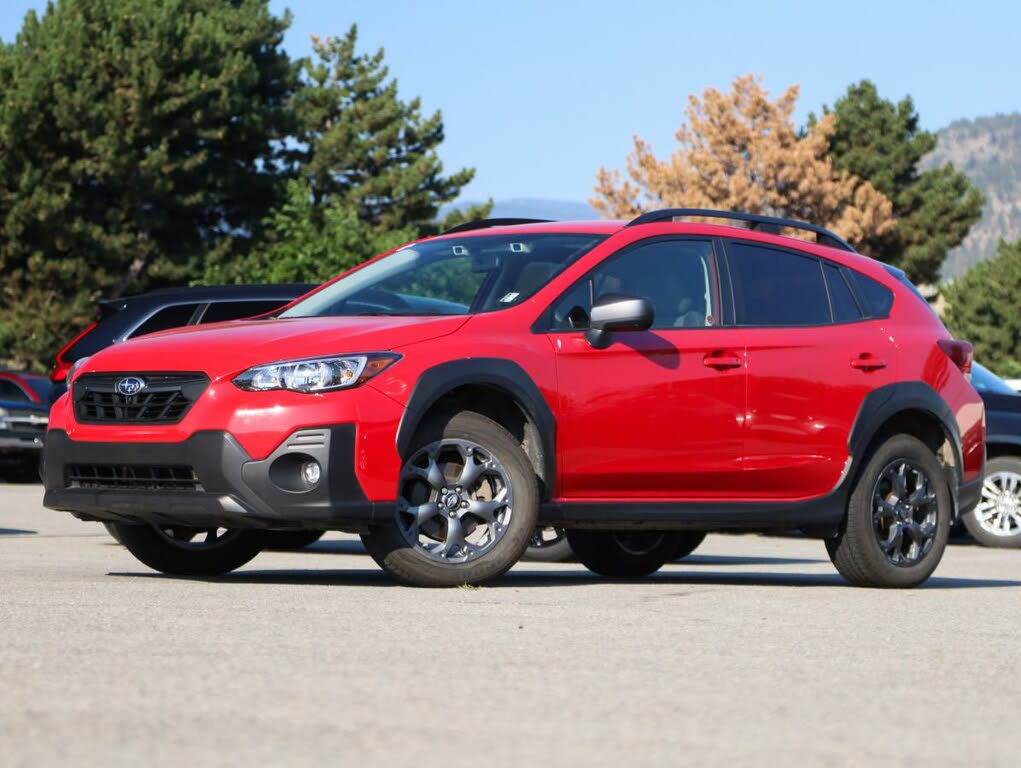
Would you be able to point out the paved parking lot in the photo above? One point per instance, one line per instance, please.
(752, 652)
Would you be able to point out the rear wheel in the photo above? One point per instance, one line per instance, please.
(688, 542)
(467, 502)
(624, 554)
(996, 521)
(898, 518)
(548, 545)
(186, 551)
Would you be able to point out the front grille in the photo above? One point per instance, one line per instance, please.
(164, 399)
(132, 477)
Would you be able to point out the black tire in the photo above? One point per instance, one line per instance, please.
(290, 540)
(1001, 466)
(856, 550)
(112, 529)
(688, 542)
(393, 549)
(551, 550)
(624, 554)
(188, 558)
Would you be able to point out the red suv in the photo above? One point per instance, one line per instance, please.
(628, 382)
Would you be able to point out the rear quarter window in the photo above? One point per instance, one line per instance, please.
(877, 298)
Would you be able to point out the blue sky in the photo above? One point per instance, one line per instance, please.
(537, 95)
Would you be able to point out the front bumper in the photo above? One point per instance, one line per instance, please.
(232, 491)
(13, 441)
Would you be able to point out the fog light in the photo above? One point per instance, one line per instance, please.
(311, 472)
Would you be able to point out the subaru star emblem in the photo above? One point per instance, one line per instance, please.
(129, 386)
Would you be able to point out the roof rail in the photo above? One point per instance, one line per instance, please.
(468, 226)
(770, 224)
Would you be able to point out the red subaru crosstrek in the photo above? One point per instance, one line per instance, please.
(629, 382)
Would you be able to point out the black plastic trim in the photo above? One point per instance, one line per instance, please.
(237, 490)
(770, 224)
(470, 226)
(503, 374)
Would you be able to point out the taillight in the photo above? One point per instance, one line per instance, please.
(62, 366)
(960, 352)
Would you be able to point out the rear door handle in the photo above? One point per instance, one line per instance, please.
(868, 362)
(721, 361)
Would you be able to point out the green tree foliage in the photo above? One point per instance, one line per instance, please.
(362, 148)
(880, 141)
(135, 138)
(305, 242)
(983, 308)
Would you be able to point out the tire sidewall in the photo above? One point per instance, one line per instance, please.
(151, 548)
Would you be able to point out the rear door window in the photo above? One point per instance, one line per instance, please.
(220, 311)
(774, 287)
(164, 319)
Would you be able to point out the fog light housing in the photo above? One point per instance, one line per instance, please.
(311, 472)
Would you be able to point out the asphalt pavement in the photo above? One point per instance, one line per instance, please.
(751, 652)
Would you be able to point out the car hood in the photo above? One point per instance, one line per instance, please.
(225, 349)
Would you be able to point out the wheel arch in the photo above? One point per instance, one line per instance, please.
(494, 387)
(912, 408)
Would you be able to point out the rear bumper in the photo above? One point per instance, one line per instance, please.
(232, 490)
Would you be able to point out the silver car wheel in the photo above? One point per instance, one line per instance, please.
(999, 510)
(455, 501)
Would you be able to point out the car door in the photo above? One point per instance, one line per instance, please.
(655, 415)
(812, 357)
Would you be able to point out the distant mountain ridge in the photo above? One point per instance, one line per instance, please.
(988, 151)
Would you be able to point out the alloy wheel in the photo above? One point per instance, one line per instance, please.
(196, 538)
(999, 510)
(546, 536)
(904, 513)
(455, 501)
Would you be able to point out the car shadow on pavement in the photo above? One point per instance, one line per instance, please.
(557, 578)
(15, 532)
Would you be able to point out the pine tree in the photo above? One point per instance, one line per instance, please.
(880, 141)
(983, 308)
(135, 139)
(741, 151)
(362, 148)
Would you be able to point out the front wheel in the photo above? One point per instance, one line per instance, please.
(185, 551)
(467, 502)
(996, 521)
(898, 518)
(624, 554)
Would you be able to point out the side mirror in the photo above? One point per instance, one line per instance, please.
(615, 312)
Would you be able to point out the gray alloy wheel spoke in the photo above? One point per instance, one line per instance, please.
(453, 521)
(904, 513)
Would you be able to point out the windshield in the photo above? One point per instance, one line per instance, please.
(985, 380)
(452, 276)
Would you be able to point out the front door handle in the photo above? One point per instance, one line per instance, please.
(868, 362)
(721, 361)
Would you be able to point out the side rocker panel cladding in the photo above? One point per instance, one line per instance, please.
(434, 383)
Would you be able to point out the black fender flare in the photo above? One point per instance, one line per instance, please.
(882, 404)
(495, 372)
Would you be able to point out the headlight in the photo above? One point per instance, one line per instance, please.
(316, 374)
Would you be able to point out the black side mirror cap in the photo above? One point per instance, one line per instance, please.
(617, 312)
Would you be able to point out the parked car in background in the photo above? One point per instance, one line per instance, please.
(625, 381)
(24, 409)
(133, 316)
(996, 521)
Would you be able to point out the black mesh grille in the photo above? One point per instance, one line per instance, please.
(165, 399)
(132, 477)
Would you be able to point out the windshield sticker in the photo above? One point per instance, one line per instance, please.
(509, 297)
